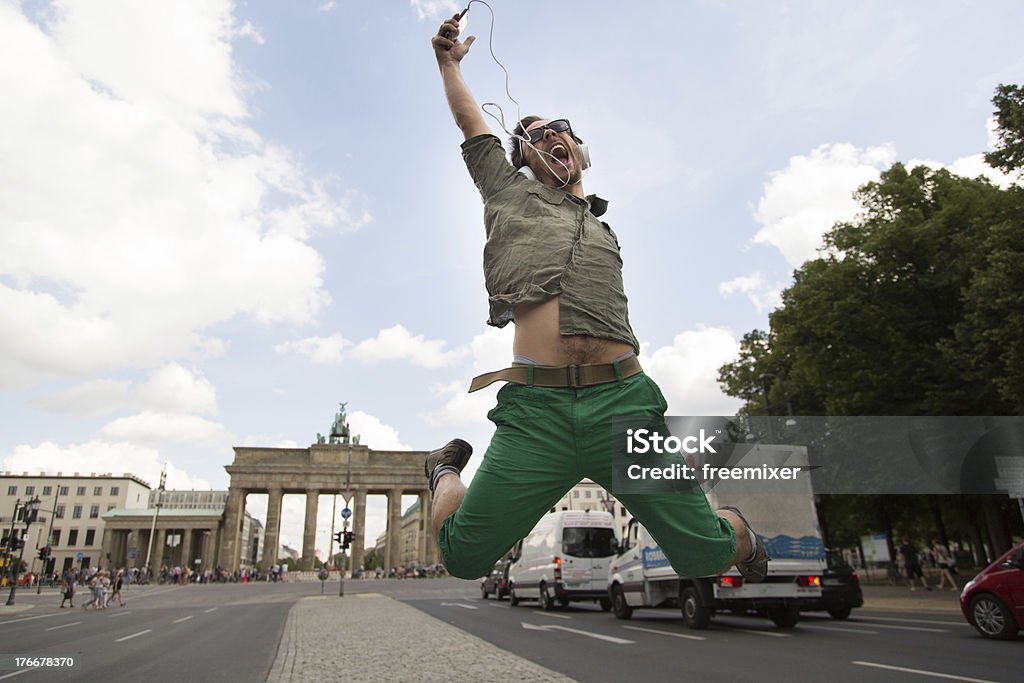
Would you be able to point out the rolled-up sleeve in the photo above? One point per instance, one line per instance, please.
(485, 159)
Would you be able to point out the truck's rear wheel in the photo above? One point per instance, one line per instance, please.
(840, 613)
(785, 617)
(513, 599)
(696, 615)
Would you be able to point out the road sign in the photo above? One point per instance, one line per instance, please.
(79, 556)
(346, 513)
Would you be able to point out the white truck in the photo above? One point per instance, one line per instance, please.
(786, 521)
(564, 559)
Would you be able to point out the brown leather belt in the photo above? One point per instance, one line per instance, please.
(561, 375)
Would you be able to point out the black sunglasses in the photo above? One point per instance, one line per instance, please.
(556, 126)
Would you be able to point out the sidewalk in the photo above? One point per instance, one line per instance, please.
(889, 597)
(370, 637)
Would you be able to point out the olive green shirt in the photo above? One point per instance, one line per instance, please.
(543, 242)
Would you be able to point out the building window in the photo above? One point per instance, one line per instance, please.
(90, 536)
(63, 490)
(111, 507)
(47, 490)
(586, 494)
(76, 512)
(622, 512)
(73, 537)
(98, 491)
(575, 494)
(94, 511)
(114, 490)
(12, 490)
(55, 537)
(29, 490)
(59, 512)
(81, 490)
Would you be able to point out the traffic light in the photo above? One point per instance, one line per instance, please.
(339, 538)
(349, 535)
(44, 553)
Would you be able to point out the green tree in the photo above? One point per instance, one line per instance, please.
(1009, 153)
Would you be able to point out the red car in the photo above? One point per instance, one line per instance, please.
(993, 602)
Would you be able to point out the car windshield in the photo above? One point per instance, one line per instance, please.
(587, 542)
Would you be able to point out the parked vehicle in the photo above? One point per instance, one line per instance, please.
(496, 583)
(564, 559)
(787, 523)
(993, 601)
(840, 589)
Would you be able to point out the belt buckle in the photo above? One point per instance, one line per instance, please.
(573, 376)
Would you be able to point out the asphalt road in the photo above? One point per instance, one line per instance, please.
(163, 633)
(654, 645)
(232, 632)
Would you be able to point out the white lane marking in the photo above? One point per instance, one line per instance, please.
(119, 614)
(16, 673)
(458, 604)
(934, 674)
(770, 634)
(212, 609)
(134, 635)
(599, 636)
(914, 621)
(837, 628)
(911, 628)
(178, 621)
(73, 623)
(665, 633)
(549, 614)
(41, 616)
(500, 606)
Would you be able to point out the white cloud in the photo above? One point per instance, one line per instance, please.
(97, 397)
(326, 350)
(491, 350)
(173, 389)
(804, 200)
(391, 344)
(397, 343)
(764, 296)
(98, 456)
(434, 9)
(168, 214)
(150, 427)
(687, 371)
(375, 434)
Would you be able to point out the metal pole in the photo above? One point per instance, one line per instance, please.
(330, 546)
(767, 408)
(10, 538)
(152, 529)
(49, 535)
(30, 510)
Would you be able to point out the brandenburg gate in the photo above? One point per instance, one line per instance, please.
(334, 465)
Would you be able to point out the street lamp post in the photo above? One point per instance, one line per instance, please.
(49, 537)
(30, 511)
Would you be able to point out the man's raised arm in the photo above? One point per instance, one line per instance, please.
(449, 52)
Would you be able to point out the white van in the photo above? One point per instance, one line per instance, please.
(564, 559)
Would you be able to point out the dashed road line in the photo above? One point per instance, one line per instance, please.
(922, 672)
(665, 633)
(73, 623)
(134, 635)
(178, 621)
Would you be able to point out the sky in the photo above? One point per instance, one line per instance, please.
(220, 219)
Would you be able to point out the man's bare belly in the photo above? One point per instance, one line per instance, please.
(537, 337)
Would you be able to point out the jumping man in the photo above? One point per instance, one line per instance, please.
(553, 268)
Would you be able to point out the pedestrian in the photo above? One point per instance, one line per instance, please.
(104, 581)
(553, 268)
(96, 596)
(944, 561)
(67, 585)
(118, 585)
(912, 564)
(127, 579)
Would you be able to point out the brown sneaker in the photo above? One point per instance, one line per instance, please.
(755, 569)
(455, 453)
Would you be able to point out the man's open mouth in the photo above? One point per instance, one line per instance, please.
(560, 152)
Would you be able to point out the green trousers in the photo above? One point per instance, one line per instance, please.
(546, 441)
